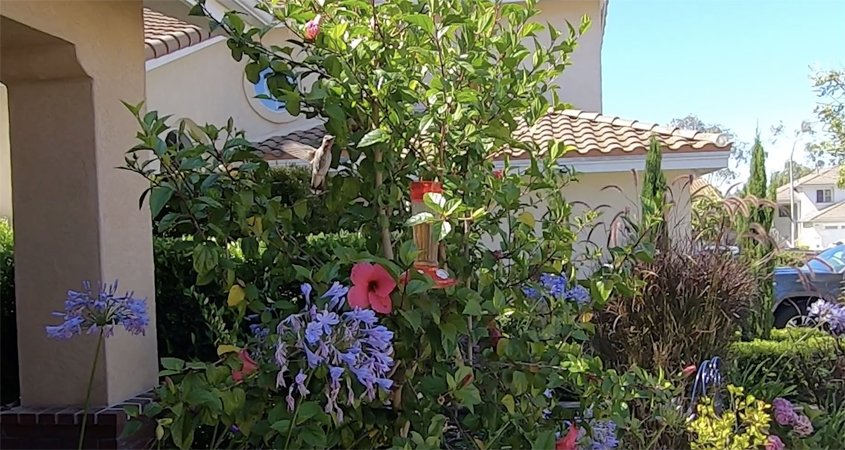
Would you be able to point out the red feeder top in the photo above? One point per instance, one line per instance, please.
(420, 188)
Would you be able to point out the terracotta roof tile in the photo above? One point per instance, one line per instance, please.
(165, 34)
(591, 134)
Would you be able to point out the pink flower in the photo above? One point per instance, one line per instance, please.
(784, 412)
(371, 287)
(774, 443)
(688, 370)
(498, 174)
(568, 442)
(312, 28)
(802, 426)
(248, 366)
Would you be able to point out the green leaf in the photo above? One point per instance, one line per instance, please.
(441, 230)
(473, 306)
(413, 318)
(282, 426)
(172, 364)
(468, 396)
(408, 252)
(300, 208)
(417, 286)
(435, 201)
(601, 290)
(520, 382)
(373, 137)
(423, 21)
(420, 218)
(509, 403)
(313, 436)
(159, 197)
(545, 441)
(308, 410)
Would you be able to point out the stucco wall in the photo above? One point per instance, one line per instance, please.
(67, 66)
(580, 82)
(5, 157)
(208, 87)
(613, 194)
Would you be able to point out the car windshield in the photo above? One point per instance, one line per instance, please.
(830, 260)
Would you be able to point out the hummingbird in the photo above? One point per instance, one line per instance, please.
(319, 158)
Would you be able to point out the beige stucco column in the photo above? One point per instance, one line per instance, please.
(67, 65)
(5, 157)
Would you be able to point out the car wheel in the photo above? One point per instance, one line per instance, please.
(793, 313)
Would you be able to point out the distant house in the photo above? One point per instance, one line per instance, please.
(819, 210)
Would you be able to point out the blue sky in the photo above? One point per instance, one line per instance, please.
(732, 62)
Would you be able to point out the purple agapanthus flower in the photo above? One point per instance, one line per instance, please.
(352, 345)
(602, 434)
(828, 314)
(557, 287)
(89, 312)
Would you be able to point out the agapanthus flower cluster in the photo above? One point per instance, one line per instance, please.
(788, 416)
(352, 345)
(557, 286)
(602, 434)
(829, 314)
(88, 311)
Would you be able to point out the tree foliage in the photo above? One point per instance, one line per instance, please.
(739, 150)
(830, 112)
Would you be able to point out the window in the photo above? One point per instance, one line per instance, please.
(270, 108)
(783, 211)
(824, 195)
(830, 227)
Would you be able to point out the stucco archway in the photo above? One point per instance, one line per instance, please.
(66, 67)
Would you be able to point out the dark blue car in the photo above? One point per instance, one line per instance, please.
(797, 288)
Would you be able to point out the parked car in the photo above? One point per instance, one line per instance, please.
(796, 288)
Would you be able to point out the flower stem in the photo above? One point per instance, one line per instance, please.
(88, 390)
(292, 425)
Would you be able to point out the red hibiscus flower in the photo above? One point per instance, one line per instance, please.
(568, 442)
(248, 366)
(371, 287)
(312, 28)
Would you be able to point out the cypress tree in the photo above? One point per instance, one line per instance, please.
(653, 197)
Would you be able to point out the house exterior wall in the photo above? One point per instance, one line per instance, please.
(210, 84)
(809, 234)
(581, 82)
(613, 194)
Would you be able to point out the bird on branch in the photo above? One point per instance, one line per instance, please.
(319, 158)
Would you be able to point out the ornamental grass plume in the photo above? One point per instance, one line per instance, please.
(90, 312)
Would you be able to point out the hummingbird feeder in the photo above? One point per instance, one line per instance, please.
(426, 242)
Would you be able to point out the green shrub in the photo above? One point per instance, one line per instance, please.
(9, 387)
(805, 365)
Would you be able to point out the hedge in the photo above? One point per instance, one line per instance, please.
(803, 364)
